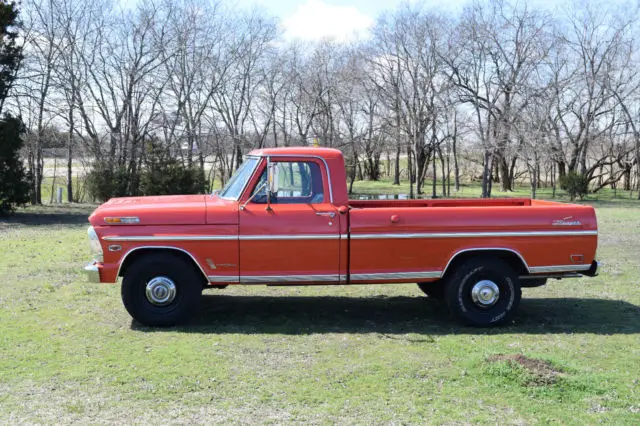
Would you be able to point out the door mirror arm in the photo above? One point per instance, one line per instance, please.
(256, 192)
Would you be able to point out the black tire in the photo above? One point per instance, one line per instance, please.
(188, 289)
(458, 292)
(433, 289)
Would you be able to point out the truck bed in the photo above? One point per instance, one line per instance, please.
(404, 238)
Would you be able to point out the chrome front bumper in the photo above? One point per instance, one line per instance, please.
(92, 272)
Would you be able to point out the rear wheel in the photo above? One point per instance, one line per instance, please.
(161, 290)
(483, 291)
(433, 289)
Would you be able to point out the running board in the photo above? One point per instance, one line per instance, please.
(556, 276)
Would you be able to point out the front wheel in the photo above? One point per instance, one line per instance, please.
(161, 290)
(483, 292)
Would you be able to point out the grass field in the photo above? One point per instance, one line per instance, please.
(69, 352)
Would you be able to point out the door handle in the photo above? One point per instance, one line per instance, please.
(330, 214)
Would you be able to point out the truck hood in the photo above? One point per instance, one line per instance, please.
(168, 210)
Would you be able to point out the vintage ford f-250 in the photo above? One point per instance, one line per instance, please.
(284, 218)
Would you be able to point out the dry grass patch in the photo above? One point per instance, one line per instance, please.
(540, 372)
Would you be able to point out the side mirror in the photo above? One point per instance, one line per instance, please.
(272, 177)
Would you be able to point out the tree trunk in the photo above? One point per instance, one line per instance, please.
(238, 156)
(444, 172)
(410, 166)
(486, 174)
(421, 165)
(448, 174)
(553, 180)
(396, 172)
(505, 180)
(626, 177)
(434, 185)
(388, 165)
(456, 169)
(562, 169)
(70, 159)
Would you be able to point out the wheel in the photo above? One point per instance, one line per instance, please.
(161, 290)
(483, 291)
(433, 289)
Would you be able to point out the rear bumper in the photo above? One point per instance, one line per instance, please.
(92, 272)
(593, 270)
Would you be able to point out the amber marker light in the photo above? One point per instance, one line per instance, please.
(121, 220)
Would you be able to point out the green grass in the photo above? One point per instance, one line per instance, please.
(69, 352)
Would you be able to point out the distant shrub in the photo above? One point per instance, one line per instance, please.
(104, 182)
(159, 174)
(15, 182)
(169, 176)
(576, 185)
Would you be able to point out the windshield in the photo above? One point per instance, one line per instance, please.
(233, 188)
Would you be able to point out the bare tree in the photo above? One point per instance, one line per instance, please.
(250, 40)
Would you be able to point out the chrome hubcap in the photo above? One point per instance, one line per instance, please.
(485, 293)
(160, 291)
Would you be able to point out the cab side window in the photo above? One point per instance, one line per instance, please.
(299, 182)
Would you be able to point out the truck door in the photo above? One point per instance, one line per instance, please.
(291, 235)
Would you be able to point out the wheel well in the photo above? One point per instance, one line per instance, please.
(512, 258)
(136, 254)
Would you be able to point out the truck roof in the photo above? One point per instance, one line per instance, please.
(326, 153)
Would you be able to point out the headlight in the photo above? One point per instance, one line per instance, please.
(94, 243)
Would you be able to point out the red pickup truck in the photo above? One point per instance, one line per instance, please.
(284, 218)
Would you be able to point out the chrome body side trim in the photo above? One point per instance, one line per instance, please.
(223, 237)
(268, 279)
(474, 234)
(171, 238)
(224, 278)
(124, 257)
(339, 236)
(396, 276)
(289, 237)
(524, 262)
(558, 268)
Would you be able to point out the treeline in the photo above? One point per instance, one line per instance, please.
(509, 88)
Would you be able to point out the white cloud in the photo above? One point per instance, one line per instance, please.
(316, 20)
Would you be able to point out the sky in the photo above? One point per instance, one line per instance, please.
(339, 19)
(345, 20)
